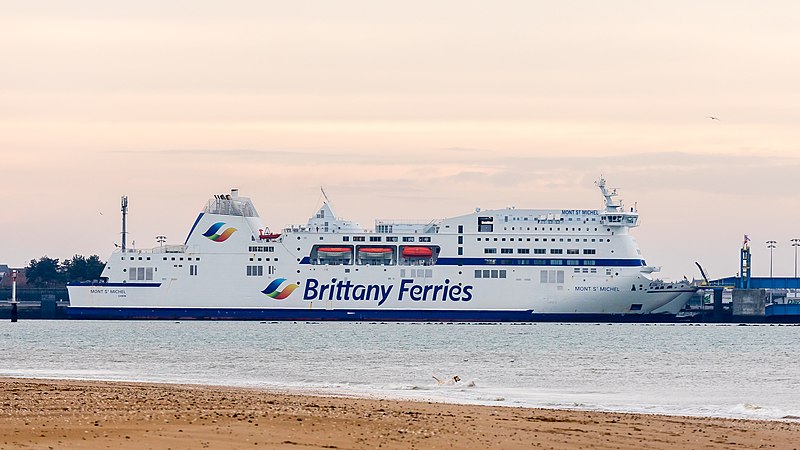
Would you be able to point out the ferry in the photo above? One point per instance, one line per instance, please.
(495, 265)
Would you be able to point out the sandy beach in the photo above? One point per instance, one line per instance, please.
(89, 415)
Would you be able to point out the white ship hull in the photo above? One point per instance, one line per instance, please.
(501, 265)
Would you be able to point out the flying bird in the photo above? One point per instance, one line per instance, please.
(712, 117)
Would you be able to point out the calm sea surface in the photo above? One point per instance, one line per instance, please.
(701, 370)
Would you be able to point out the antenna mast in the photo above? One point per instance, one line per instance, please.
(124, 221)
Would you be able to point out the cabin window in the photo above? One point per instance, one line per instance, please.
(523, 251)
(573, 251)
(461, 228)
(140, 274)
(359, 238)
(539, 251)
(556, 251)
(345, 238)
(589, 251)
(425, 239)
(489, 250)
(408, 238)
(506, 250)
(374, 238)
(391, 238)
(255, 271)
(460, 251)
(460, 240)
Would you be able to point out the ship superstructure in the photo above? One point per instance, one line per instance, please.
(496, 265)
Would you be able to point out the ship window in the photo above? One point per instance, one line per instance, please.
(460, 251)
(345, 238)
(485, 273)
(573, 251)
(425, 239)
(391, 238)
(556, 251)
(543, 277)
(485, 224)
(502, 273)
(374, 238)
(359, 238)
(506, 250)
(573, 262)
(461, 228)
(589, 251)
(489, 250)
(539, 251)
(165, 258)
(460, 240)
(556, 262)
(494, 273)
(523, 251)
(589, 262)
(408, 238)
(478, 273)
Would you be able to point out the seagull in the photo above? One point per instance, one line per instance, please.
(712, 117)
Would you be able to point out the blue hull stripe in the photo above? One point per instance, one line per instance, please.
(303, 314)
(128, 285)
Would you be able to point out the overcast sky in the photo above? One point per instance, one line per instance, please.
(414, 109)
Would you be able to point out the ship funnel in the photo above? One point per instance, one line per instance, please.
(234, 193)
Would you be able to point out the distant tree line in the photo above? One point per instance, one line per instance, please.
(49, 272)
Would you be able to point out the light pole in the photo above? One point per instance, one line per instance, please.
(771, 247)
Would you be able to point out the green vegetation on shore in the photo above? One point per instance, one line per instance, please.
(49, 272)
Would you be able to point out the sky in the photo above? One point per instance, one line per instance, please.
(402, 110)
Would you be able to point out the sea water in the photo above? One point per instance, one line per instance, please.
(700, 370)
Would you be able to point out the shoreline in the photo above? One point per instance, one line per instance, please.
(92, 414)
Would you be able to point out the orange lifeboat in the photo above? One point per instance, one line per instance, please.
(333, 249)
(417, 252)
(375, 252)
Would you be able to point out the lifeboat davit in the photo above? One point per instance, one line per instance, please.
(375, 252)
(330, 252)
(417, 252)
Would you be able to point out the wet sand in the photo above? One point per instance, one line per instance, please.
(93, 415)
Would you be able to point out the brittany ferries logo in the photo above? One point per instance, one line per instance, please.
(272, 289)
(214, 234)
